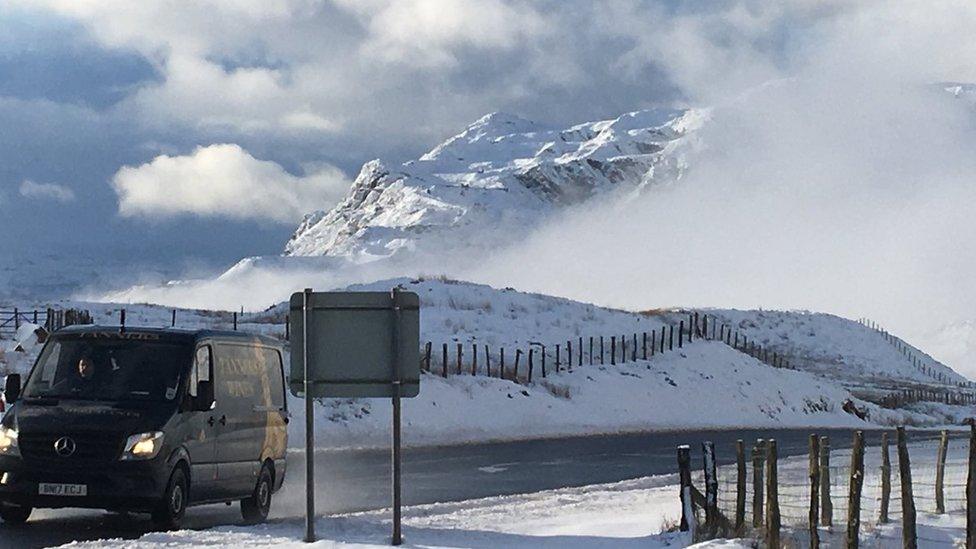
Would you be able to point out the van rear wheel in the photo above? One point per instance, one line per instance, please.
(169, 514)
(255, 508)
(15, 514)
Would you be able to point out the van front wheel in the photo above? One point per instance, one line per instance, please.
(169, 514)
(255, 508)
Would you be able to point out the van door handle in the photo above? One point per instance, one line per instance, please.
(211, 421)
(223, 420)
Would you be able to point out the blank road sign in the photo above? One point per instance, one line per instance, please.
(351, 344)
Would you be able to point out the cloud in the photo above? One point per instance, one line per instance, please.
(224, 180)
(46, 191)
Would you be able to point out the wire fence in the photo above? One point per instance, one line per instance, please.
(939, 472)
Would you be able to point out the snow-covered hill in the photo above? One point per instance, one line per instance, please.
(495, 180)
(837, 360)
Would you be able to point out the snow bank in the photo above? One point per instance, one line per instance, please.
(705, 385)
(625, 514)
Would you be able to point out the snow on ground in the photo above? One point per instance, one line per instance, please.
(625, 514)
(704, 385)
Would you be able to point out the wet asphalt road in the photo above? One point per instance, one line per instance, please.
(357, 480)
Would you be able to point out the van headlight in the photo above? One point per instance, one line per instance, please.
(143, 446)
(8, 442)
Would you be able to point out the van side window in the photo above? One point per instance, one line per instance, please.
(275, 377)
(202, 366)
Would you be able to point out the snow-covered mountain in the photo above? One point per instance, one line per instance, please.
(501, 175)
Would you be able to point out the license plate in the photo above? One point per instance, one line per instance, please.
(52, 489)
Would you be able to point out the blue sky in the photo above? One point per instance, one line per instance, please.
(126, 128)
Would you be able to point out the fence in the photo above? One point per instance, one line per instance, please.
(536, 359)
(52, 319)
(909, 352)
(843, 494)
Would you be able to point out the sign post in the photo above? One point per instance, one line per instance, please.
(354, 344)
(395, 457)
(309, 430)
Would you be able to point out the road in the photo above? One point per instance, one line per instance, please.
(357, 480)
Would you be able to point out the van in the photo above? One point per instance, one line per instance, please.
(145, 420)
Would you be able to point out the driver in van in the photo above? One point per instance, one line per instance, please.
(81, 379)
(86, 368)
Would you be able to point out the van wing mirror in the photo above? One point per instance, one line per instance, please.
(11, 388)
(205, 396)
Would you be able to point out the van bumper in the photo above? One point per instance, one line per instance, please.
(122, 485)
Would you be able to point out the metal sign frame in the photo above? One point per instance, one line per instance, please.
(404, 336)
(357, 340)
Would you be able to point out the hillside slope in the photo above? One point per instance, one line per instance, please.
(836, 360)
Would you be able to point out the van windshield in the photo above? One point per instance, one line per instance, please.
(109, 367)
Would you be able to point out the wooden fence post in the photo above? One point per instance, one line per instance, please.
(653, 341)
(704, 326)
(591, 350)
(501, 365)
(426, 354)
(855, 487)
(487, 360)
(671, 338)
(644, 343)
(459, 351)
(885, 480)
(633, 350)
(444, 360)
(235, 320)
(543, 361)
(814, 492)
(684, 475)
(940, 473)
(826, 505)
(909, 538)
(772, 496)
(558, 357)
(740, 485)
(711, 486)
(613, 350)
(757, 483)
(662, 338)
(681, 332)
(531, 351)
(569, 355)
(518, 355)
(173, 321)
(623, 349)
(474, 359)
(579, 353)
(971, 491)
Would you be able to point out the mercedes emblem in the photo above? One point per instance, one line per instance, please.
(64, 447)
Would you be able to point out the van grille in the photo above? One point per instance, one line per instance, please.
(89, 447)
